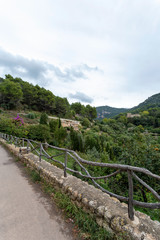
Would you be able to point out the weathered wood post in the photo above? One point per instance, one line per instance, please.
(27, 146)
(15, 142)
(40, 154)
(65, 165)
(130, 200)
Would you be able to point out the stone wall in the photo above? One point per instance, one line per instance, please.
(109, 212)
(130, 115)
(68, 123)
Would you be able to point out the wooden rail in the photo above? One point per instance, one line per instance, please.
(40, 149)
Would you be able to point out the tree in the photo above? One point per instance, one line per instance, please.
(60, 134)
(61, 106)
(40, 132)
(88, 111)
(77, 107)
(45, 100)
(92, 140)
(11, 94)
(44, 118)
(77, 142)
(86, 122)
(91, 112)
(53, 124)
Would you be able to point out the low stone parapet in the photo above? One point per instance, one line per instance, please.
(24, 150)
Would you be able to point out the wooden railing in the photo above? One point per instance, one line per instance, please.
(40, 150)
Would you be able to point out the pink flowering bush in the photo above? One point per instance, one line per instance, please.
(18, 121)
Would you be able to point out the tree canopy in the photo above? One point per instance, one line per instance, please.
(16, 93)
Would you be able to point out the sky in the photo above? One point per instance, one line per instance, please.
(97, 52)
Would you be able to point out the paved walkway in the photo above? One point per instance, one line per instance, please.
(25, 213)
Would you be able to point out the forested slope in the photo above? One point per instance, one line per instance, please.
(18, 94)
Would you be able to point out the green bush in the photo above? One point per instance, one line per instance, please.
(31, 115)
(44, 118)
(39, 132)
(86, 122)
(60, 134)
(8, 126)
(77, 141)
(92, 140)
(53, 124)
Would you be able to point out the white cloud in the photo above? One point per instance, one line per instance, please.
(107, 50)
(81, 97)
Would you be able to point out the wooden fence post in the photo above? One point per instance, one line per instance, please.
(15, 142)
(130, 200)
(40, 154)
(65, 165)
(27, 146)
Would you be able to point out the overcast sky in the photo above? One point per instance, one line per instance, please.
(98, 52)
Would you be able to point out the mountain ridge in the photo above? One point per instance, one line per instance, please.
(109, 112)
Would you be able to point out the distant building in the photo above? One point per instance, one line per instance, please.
(130, 115)
(68, 123)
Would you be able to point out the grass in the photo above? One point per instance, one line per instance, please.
(85, 225)
(35, 177)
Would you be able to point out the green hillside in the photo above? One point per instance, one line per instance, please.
(109, 112)
(151, 102)
(16, 94)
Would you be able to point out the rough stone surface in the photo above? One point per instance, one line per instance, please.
(24, 150)
(117, 223)
(109, 212)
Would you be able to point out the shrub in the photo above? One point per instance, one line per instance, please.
(31, 115)
(44, 118)
(10, 127)
(18, 121)
(92, 140)
(60, 134)
(53, 124)
(86, 122)
(39, 132)
(77, 141)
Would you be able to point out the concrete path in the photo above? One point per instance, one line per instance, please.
(25, 212)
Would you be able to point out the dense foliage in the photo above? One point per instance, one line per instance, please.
(149, 119)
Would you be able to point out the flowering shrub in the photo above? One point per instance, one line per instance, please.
(18, 121)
